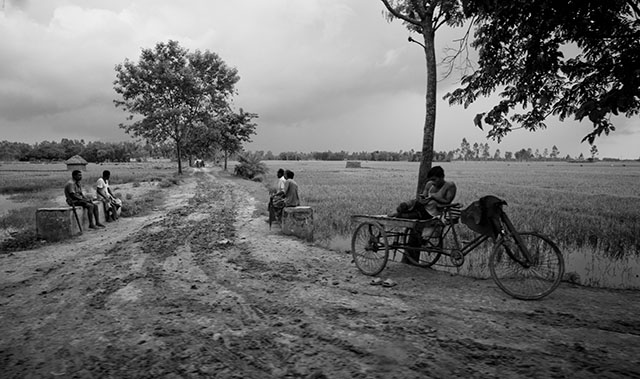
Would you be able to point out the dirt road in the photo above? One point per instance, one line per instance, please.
(203, 289)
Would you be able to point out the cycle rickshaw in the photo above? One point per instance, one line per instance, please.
(525, 265)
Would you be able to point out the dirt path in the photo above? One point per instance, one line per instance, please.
(202, 289)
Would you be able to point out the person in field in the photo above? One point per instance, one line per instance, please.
(291, 197)
(76, 198)
(437, 191)
(111, 203)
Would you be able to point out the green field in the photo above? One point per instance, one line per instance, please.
(595, 205)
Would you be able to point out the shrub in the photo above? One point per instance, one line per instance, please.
(250, 166)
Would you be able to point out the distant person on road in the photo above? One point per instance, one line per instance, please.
(291, 198)
(76, 198)
(111, 203)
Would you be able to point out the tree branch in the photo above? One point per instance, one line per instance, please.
(463, 46)
(399, 15)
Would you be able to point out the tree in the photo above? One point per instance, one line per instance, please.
(235, 128)
(521, 46)
(496, 156)
(174, 91)
(594, 152)
(555, 153)
(465, 149)
(425, 18)
(523, 154)
(485, 151)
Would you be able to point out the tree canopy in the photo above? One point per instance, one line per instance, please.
(174, 91)
(574, 58)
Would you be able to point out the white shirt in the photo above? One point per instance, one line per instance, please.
(281, 182)
(105, 185)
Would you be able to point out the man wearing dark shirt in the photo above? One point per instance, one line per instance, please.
(75, 197)
(291, 198)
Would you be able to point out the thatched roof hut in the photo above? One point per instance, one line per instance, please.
(76, 163)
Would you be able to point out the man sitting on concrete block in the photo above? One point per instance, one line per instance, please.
(76, 198)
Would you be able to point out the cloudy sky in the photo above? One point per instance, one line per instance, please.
(321, 74)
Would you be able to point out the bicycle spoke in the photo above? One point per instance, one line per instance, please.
(369, 248)
(522, 279)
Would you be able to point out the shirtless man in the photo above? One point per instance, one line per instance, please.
(75, 197)
(436, 192)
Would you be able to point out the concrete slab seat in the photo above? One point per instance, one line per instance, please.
(298, 221)
(55, 224)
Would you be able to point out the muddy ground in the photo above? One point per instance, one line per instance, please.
(202, 288)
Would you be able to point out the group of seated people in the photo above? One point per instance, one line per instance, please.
(284, 195)
(75, 197)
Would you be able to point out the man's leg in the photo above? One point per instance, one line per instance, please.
(96, 215)
(89, 207)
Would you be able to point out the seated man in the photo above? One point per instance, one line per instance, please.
(104, 193)
(436, 192)
(75, 198)
(291, 198)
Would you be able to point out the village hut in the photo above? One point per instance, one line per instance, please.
(76, 163)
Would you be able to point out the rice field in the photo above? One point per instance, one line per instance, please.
(580, 205)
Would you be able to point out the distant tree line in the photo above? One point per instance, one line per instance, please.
(466, 151)
(95, 152)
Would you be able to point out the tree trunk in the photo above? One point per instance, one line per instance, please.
(430, 115)
(179, 153)
(225, 160)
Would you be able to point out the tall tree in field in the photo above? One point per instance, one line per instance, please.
(172, 91)
(425, 17)
(572, 58)
(235, 128)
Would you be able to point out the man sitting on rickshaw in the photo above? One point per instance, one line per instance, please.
(437, 192)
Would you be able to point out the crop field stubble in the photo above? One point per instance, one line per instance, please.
(591, 210)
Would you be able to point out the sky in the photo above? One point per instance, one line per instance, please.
(321, 74)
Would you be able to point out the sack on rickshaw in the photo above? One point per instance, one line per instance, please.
(483, 215)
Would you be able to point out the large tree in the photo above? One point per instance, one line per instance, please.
(425, 17)
(173, 90)
(235, 129)
(572, 58)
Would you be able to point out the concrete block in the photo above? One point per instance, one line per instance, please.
(55, 224)
(298, 221)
